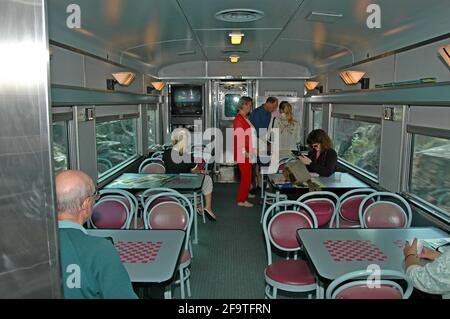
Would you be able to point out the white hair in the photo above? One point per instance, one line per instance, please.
(72, 199)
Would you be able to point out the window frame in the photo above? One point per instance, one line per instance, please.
(153, 107)
(365, 119)
(101, 177)
(424, 205)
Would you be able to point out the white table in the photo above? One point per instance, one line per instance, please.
(149, 256)
(335, 252)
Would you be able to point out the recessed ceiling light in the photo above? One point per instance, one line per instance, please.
(239, 15)
(236, 37)
(234, 58)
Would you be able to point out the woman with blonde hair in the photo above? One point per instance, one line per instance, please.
(289, 130)
(178, 160)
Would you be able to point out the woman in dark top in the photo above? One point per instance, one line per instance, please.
(322, 158)
(178, 161)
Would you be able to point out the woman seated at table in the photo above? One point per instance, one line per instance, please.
(322, 158)
(433, 277)
(178, 161)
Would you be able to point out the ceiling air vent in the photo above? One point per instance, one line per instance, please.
(324, 16)
(239, 15)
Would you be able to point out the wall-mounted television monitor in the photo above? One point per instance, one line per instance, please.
(186, 100)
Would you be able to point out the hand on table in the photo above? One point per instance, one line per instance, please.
(428, 253)
(314, 174)
(410, 249)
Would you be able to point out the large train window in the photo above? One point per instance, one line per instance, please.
(60, 146)
(358, 143)
(116, 143)
(152, 124)
(430, 175)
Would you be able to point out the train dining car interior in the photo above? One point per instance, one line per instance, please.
(199, 149)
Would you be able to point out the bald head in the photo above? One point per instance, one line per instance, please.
(72, 189)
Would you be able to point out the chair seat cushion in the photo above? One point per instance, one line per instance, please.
(291, 272)
(363, 292)
(185, 257)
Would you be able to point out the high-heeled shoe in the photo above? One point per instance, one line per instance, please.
(211, 216)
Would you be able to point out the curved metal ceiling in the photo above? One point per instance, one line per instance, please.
(160, 33)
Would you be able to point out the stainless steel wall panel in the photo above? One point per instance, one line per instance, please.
(28, 247)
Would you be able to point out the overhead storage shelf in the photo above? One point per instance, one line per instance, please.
(68, 96)
(437, 94)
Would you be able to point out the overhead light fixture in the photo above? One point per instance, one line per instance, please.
(159, 85)
(445, 54)
(124, 78)
(234, 58)
(311, 85)
(121, 78)
(236, 37)
(351, 77)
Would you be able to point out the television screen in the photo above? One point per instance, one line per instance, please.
(231, 101)
(186, 100)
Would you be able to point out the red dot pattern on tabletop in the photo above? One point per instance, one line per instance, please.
(138, 252)
(399, 243)
(354, 250)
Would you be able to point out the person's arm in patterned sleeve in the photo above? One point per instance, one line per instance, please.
(434, 277)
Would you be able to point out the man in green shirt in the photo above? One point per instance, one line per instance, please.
(90, 266)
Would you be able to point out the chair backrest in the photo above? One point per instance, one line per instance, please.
(149, 166)
(388, 210)
(171, 214)
(147, 194)
(324, 204)
(361, 284)
(349, 204)
(157, 155)
(111, 213)
(281, 230)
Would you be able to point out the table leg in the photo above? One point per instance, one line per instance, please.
(262, 185)
(195, 219)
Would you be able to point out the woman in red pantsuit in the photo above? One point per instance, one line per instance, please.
(244, 151)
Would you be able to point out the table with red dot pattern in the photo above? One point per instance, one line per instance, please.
(354, 250)
(335, 252)
(149, 255)
(138, 252)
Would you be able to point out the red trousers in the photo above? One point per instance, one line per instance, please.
(246, 181)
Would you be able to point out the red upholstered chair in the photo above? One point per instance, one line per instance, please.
(174, 211)
(387, 210)
(362, 285)
(110, 213)
(323, 204)
(347, 215)
(280, 231)
(128, 199)
(147, 194)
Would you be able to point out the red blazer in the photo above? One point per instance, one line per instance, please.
(242, 138)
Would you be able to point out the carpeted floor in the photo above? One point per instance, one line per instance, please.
(230, 258)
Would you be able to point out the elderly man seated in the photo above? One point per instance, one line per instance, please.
(91, 267)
